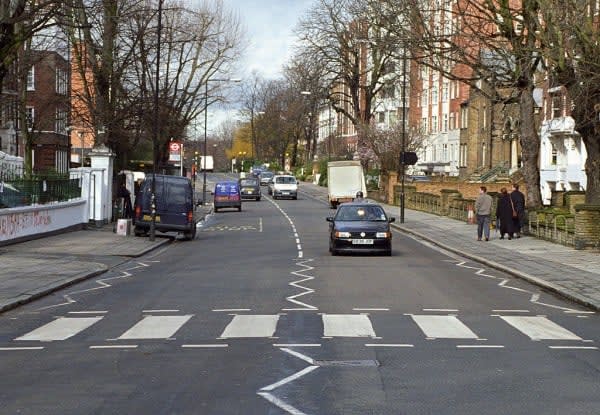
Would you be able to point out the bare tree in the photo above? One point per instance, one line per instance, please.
(570, 44)
(476, 41)
(347, 37)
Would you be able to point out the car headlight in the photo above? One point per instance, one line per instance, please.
(339, 234)
(383, 234)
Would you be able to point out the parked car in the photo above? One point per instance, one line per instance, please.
(284, 186)
(227, 195)
(360, 227)
(266, 177)
(174, 206)
(250, 188)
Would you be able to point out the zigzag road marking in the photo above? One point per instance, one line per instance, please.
(304, 278)
(102, 285)
(503, 283)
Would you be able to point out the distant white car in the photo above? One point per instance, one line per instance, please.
(284, 186)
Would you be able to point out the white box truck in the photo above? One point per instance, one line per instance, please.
(207, 163)
(344, 180)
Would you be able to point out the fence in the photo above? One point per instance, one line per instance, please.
(557, 228)
(22, 192)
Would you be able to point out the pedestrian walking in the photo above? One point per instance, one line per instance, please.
(504, 213)
(518, 199)
(483, 211)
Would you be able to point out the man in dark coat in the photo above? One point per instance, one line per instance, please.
(518, 199)
(504, 213)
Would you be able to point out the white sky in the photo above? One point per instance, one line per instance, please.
(269, 25)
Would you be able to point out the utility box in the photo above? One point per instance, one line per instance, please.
(124, 227)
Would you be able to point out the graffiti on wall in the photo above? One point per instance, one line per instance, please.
(23, 223)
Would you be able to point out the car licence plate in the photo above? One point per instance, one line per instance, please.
(149, 218)
(362, 242)
(285, 193)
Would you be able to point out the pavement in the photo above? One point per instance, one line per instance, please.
(29, 270)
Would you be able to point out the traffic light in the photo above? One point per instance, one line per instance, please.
(408, 158)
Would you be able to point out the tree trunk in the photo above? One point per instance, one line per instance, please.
(530, 148)
(592, 168)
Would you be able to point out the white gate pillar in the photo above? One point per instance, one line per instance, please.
(103, 158)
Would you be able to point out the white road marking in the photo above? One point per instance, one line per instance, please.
(122, 346)
(443, 327)
(347, 325)
(11, 349)
(260, 225)
(388, 345)
(155, 327)
(290, 378)
(539, 328)
(88, 312)
(580, 312)
(218, 310)
(574, 347)
(307, 359)
(60, 329)
(246, 326)
(281, 404)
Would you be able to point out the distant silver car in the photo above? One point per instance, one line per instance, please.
(265, 178)
(283, 186)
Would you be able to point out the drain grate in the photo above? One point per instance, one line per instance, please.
(348, 363)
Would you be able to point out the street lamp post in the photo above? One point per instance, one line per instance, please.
(155, 126)
(402, 157)
(195, 168)
(203, 163)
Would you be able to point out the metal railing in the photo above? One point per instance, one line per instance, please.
(22, 192)
(557, 228)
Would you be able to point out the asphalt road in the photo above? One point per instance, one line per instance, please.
(255, 317)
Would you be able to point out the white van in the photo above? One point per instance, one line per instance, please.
(283, 186)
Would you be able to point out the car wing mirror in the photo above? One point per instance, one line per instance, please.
(329, 219)
(390, 220)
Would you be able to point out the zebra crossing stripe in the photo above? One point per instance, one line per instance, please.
(539, 328)
(347, 325)
(155, 327)
(256, 325)
(60, 329)
(443, 327)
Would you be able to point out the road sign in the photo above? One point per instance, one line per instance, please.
(408, 158)
(175, 151)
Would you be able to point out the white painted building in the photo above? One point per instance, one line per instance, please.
(562, 157)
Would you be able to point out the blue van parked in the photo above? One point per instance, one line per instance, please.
(227, 195)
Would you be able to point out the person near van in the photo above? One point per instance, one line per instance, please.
(483, 210)
(504, 213)
(518, 199)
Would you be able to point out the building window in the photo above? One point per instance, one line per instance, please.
(424, 125)
(425, 98)
(61, 81)
(557, 107)
(30, 114)
(61, 121)
(445, 92)
(554, 156)
(434, 95)
(381, 117)
(452, 121)
(434, 124)
(31, 79)
(393, 117)
(445, 153)
(445, 123)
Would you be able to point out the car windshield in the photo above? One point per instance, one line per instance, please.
(266, 174)
(248, 182)
(360, 213)
(285, 180)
